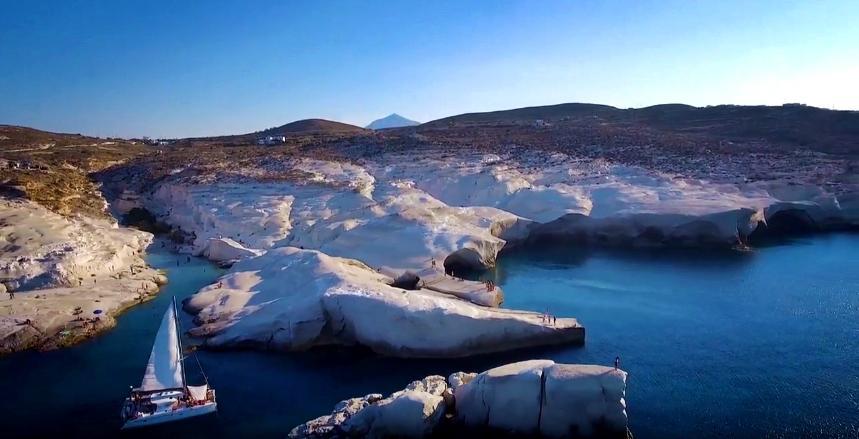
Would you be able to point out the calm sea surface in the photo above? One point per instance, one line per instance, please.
(762, 344)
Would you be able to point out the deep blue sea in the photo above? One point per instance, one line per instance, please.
(758, 344)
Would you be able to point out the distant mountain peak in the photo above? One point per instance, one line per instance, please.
(392, 120)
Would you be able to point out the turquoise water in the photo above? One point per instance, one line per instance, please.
(763, 344)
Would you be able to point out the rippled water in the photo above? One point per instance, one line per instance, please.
(717, 345)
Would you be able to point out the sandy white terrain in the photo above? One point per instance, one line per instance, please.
(398, 213)
(338, 209)
(69, 276)
(534, 398)
(603, 203)
(468, 206)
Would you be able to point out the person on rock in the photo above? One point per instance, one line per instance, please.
(616, 363)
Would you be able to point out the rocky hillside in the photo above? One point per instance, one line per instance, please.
(300, 131)
(53, 169)
(310, 126)
(790, 125)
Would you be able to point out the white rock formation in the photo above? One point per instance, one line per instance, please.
(604, 203)
(457, 379)
(412, 412)
(401, 229)
(67, 274)
(578, 399)
(399, 211)
(226, 250)
(532, 398)
(463, 209)
(507, 398)
(539, 397)
(434, 279)
(293, 299)
(329, 426)
(41, 249)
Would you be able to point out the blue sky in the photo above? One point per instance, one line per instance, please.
(188, 68)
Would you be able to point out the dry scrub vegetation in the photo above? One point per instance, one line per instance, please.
(54, 169)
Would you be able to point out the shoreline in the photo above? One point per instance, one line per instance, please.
(59, 332)
(57, 340)
(67, 278)
(368, 224)
(313, 372)
(56, 336)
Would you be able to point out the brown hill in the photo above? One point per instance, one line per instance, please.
(305, 128)
(12, 136)
(53, 169)
(312, 126)
(790, 124)
(526, 114)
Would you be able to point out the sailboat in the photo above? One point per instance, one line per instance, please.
(164, 395)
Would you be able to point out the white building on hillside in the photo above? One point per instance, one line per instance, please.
(271, 140)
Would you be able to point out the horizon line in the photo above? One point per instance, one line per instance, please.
(798, 104)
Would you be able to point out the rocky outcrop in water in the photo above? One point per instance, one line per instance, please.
(294, 299)
(529, 398)
(66, 277)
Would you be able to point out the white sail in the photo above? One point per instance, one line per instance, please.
(164, 370)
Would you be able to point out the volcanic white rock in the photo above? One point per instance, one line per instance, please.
(412, 412)
(580, 399)
(291, 299)
(508, 398)
(391, 226)
(534, 398)
(539, 397)
(463, 209)
(68, 274)
(398, 212)
(227, 250)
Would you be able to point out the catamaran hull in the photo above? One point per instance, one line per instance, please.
(175, 415)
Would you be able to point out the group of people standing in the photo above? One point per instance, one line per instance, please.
(548, 318)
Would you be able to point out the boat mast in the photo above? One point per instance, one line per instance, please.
(181, 356)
